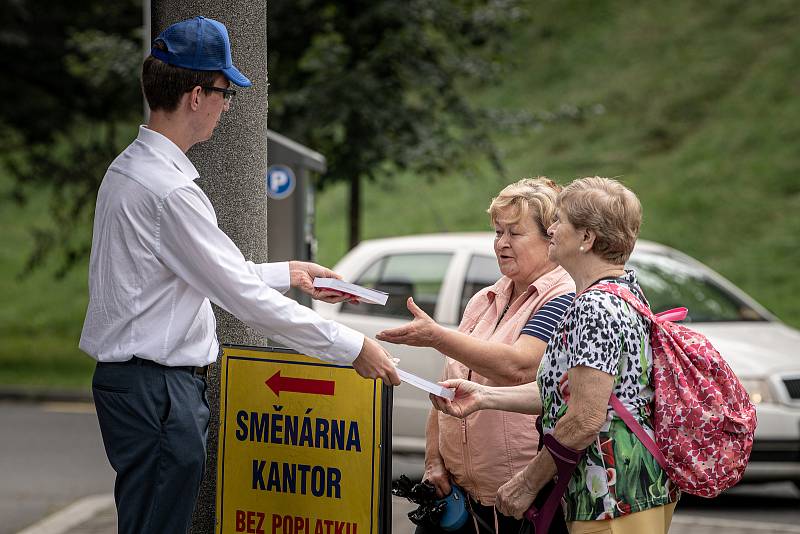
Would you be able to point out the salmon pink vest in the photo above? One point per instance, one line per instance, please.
(484, 450)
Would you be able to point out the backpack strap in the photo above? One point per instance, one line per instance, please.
(676, 314)
(673, 315)
(625, 294)
(638, 430)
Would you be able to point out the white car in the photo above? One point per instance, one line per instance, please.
(442, 272)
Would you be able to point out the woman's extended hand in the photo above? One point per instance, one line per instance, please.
(421, 332)
(515, 496)
(470, 397)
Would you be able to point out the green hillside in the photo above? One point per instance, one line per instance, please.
(693, 104)
(40, 317)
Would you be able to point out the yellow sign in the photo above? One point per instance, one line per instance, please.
(299, 446)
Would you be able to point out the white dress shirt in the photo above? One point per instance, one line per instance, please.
(158, 257)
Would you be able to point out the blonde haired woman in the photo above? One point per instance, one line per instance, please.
(500, 341)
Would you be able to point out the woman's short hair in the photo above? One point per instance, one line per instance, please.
(608, 208)
(163, 84)
(533, 197)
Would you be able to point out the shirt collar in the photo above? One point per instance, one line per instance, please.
(499, 287)
(540, 285)
(169, 149)
(548, 280)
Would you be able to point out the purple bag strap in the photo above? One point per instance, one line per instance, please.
(566, 460)
(638, 430)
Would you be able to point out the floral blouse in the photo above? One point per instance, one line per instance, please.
(618, 475)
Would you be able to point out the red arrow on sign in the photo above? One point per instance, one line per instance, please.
(278, 383)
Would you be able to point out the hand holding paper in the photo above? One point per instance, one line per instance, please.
(302, 275)
(374, 362)
(425, 385)
(468, 397)
(363, 294)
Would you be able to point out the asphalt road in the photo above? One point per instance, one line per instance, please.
(51, 455)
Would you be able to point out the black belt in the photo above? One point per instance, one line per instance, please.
(201, 372)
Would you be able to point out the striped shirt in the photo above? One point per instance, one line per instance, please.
(543, 323)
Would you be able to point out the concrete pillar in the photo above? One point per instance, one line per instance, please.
(232, 167)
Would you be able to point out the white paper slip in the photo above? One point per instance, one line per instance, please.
(364, 294)
(425, 385)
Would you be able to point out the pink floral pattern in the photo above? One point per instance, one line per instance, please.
(617, 475)
(704, 421)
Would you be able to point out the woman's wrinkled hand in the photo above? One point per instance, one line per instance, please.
(470, 397)
(436, 473)
(515, 496)
(421, 332)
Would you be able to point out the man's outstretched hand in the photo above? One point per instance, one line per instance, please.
(302, 274)
(374, 362)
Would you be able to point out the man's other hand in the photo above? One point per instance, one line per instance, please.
(374, 362)
(302, 274)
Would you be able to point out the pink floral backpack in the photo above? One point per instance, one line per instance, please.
(703, 418)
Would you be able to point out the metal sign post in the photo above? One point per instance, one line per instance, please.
(304, 446)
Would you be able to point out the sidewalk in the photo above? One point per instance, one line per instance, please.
(96, 514)
(104, 522)
(43, 394)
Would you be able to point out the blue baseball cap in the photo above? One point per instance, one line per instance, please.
(199, 44)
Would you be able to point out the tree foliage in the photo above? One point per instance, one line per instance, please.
(72, 82)
(380, 87)
(377, 86)
(66, 62)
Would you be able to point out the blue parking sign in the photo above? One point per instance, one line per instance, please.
(280, 181)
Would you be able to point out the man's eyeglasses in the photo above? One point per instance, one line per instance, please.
(227, 94)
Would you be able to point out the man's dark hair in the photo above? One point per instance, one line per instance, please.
(164, 84)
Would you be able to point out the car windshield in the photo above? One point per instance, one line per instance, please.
(670, 283)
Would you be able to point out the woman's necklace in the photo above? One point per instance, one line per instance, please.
(508, 305)
(503, 314)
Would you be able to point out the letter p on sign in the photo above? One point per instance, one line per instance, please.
(280, 182)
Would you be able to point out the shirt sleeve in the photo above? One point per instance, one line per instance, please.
(593, 333)
(275, 275)
(543, 322)
(197, 251)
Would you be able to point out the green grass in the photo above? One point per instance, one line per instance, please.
(699, 116)
(693, 104)
(40, 317)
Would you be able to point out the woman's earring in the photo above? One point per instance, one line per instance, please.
(581, 248)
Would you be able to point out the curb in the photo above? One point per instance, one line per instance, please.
(72, 516)
(695, 523)
(43, 394)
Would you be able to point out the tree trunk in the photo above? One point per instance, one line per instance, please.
(354, 234)
(232, 167)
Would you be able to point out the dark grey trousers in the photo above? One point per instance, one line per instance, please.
(154, 422)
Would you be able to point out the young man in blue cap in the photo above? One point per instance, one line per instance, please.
(157, 258)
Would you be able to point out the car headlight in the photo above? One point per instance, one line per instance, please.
(759, 390)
